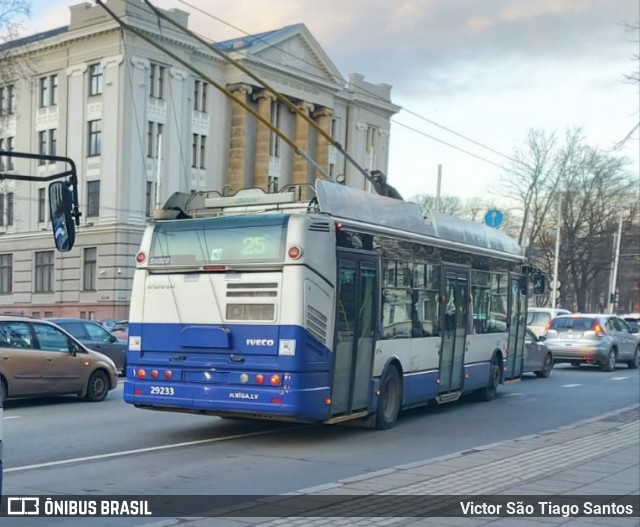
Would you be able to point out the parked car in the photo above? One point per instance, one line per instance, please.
(39, 358)
(95, 337)
(539, 317)
(594, 339)
(121, 330)
(633, 320)
(108, 324)
(538, 358)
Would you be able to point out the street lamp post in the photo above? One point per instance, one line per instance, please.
(555, 289)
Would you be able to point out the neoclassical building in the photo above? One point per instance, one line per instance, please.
(140, 126)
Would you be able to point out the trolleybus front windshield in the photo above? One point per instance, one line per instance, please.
(213, 241)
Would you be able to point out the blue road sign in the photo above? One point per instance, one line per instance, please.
(493, 218)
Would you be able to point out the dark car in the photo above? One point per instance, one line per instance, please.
(633, 320)
(538, 358)
(94, 336)
(121, 330)
(39, 358)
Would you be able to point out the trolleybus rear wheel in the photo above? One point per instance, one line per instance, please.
(488, 393)
(390, 399)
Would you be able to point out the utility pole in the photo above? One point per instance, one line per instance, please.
(614, 277)
(556, 289)
(436, 205)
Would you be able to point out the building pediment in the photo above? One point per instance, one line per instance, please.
(292, 50)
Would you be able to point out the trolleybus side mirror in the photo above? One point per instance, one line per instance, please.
(60, 206)
(538, 283)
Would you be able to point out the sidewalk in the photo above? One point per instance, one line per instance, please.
(596, 457)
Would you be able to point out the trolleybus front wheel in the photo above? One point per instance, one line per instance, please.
(389, 400)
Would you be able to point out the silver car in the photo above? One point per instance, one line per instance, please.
(598, 339)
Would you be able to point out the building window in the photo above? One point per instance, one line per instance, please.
(6, 209)
(48, 91)
(53, 142)
(42, 145)
(156, 78)
(6, 144)
(6, 273)
(154, 135)
(95, 138)
(53, 81)
(41, 204)
(95, 79)
(47, 144)
(44, 272)
(149, 199)
(93, 198)
(7, 98)
(200, 96)
(198, 151)
(9, 208)
(89, 269)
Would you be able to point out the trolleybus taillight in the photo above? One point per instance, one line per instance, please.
(141, 257)
(294, 252)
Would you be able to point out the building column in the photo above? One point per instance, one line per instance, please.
(300, 164)
(237, 144)
(323, 118)
(263, 140)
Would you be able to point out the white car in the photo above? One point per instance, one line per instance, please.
(539, 317)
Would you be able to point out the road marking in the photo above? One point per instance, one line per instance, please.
(12, 417)
(619, 378)
(145, 450)
(571, 385)
(510, 394)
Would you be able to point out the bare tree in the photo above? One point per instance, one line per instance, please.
(472, 209)
(12, 16)
(593, 188)
(633, 77)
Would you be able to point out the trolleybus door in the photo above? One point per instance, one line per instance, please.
(517, 326)
(455, 313)
(356, 309)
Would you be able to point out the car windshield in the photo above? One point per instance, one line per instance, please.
(537, 318)
(574, 323)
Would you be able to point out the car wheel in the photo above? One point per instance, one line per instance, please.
(488, 393)
(390, 399)
(97, 387)
(546, 367)
(610, 364)
(635, 362)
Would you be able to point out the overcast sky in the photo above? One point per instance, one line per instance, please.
(486, 69)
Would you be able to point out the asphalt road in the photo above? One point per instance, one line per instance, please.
(65, 446)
